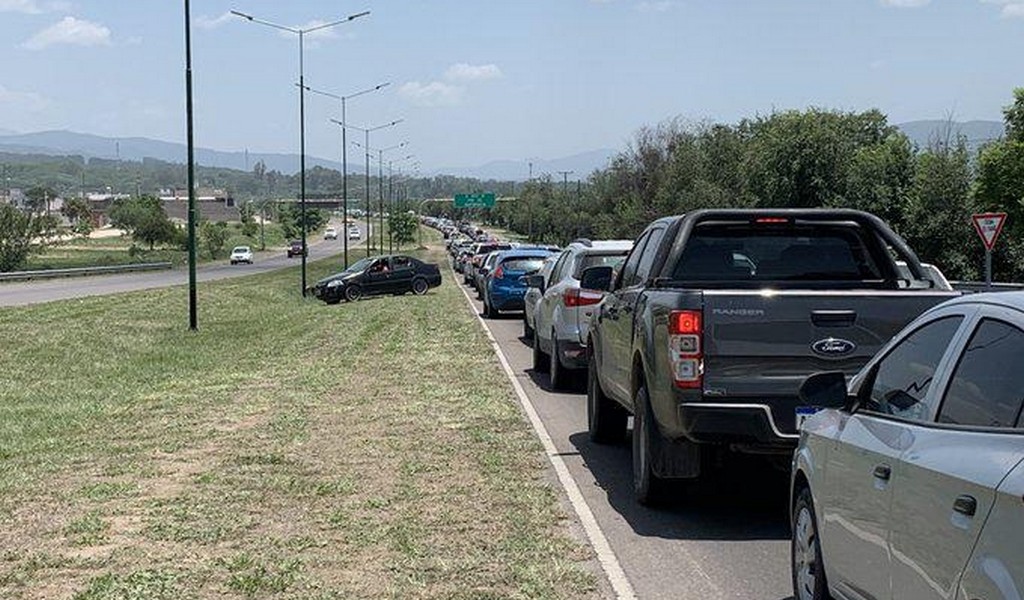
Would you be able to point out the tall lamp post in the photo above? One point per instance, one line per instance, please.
(380, 181)
(193, 323)
(366, 150)
(302, 112)
(344, 151)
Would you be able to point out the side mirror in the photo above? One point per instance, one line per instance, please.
(534, 281)
(826, 390)
(483, 271)
(596, 278)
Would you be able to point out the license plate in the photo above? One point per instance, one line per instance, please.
(803, 413)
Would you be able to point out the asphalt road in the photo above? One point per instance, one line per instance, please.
(48, 290)
(727, 540)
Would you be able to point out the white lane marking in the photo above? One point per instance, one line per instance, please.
(605, 555)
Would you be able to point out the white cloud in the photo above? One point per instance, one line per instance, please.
(206, 22)
(655, 6)
(29, 7)
(70, 30)
(904, 3)
(1010, 8)
(30, 101)
(466, 72)
(435, 93)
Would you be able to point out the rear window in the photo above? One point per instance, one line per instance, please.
(488, 248)
(523, 264)
(798, 253)
(598, 260)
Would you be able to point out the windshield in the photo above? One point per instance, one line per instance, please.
(523, 264)
(359, 265)
(241, 249)
(598, 260)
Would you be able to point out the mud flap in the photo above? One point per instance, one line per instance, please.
(677, 459)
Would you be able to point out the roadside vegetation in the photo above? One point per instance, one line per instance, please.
(287, 450)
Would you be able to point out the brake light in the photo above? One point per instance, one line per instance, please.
(499, 273)
(577, 297)
(771, 220)
(685, 348)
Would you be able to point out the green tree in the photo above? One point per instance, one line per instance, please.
(213, 236)
(1000, 187)
(145, 219)
(18, 230)
(403, 228)
(78, 212)
(39, 197)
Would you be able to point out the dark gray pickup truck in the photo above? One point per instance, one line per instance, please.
(716, 317)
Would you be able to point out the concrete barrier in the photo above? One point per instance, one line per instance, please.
(82, 271)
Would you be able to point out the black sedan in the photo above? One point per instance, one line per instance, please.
(395, 274)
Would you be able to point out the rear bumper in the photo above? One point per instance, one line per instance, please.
(755, 424)
(572, 354)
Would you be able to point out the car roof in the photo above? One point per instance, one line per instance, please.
(1013, 300)
(525, 253)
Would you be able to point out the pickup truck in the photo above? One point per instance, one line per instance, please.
(716, 317)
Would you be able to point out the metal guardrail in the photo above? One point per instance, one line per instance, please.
(974, 287)
(80, 271)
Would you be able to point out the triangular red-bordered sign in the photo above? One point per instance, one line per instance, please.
(989, 226)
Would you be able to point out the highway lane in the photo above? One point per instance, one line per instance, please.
(726, 540)
(48, 290)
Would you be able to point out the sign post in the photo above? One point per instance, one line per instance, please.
(989, 226)
(484, 200)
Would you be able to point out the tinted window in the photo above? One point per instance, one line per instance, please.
(401, 262)
(523, 264)
(720, 252)
(903, 378)
(643, 271)
(987, 387)
(558, 273)
(628, 276)
(598, 260)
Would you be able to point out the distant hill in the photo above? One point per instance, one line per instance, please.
(581, 165)
(61, 143)
(977, 133)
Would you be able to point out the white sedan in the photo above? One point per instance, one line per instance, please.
(241, 254)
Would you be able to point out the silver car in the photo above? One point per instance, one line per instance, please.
(562, 315)
(534, 293)
(914, 488)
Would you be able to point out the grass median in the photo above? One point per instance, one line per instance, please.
(286, 450)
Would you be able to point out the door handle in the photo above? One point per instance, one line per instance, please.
(965, 505)
(883, 472)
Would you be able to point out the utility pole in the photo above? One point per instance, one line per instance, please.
(565, 181)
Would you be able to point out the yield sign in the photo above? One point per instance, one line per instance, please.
(989, 225)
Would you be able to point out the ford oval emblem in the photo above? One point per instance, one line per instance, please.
(833, 347)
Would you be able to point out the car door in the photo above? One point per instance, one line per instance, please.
(616, 318)
(953, 466)
(532, 296)
(861, 469)
(377, 277)
(402, 271)
(549, 299)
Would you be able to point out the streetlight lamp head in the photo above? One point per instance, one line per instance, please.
(242, 14)
(357, 15)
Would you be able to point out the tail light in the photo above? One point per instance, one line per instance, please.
(685, 348)
(577, 297)
(499, 273)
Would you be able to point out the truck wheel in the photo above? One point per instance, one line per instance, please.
(419, 287)
(606, 420)
(647, 486)
(556, 371)
(353, 293)
(540, 360)
(805, 552)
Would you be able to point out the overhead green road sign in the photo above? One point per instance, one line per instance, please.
(485, 200)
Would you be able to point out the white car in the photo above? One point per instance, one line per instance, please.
(354, 233)
(562, 315)
(913, 489)
(241, 254)
(330, 233)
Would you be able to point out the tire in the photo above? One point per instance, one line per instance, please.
(606, 420)
(807, 567)
(527, 330)
(648, 488)
(489, 311)
(419, 286)
(540, 360)
(556, 372)
(353, 293)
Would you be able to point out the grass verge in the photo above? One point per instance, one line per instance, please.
(286, 450)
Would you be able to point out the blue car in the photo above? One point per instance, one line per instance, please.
(504, 289)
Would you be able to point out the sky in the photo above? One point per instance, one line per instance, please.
(482, 80)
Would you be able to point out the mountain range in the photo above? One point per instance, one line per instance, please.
(60, 143)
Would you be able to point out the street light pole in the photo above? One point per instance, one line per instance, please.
(193, 323)
(302, 115)
(344, 151)
(366, 150)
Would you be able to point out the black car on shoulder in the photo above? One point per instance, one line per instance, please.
(395, 274)
(296, 248)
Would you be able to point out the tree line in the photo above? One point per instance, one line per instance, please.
(798, 159)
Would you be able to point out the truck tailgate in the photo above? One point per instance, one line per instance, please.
(761, 344)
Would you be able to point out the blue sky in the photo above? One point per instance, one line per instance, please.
(487, 79)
